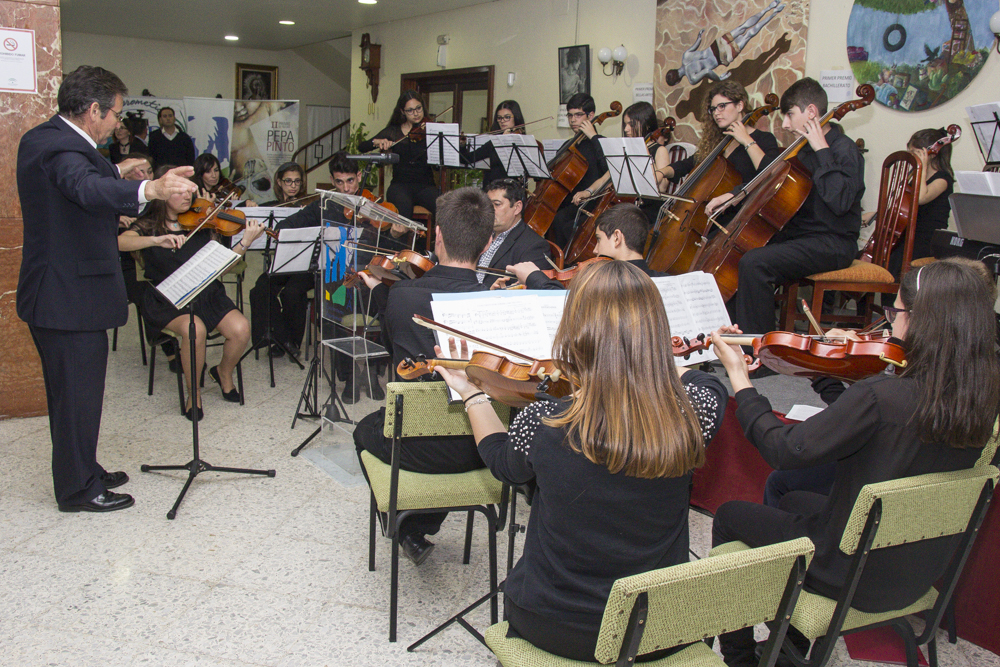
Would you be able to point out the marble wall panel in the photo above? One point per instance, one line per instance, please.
(22, 392)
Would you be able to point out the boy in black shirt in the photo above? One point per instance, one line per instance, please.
(823, 235)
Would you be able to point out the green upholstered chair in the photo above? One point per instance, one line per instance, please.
(888, 514)
(684, 604)
(421, 409)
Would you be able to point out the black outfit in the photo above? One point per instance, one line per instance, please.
(930, 216)
(412, 179)
(870, 436)
(739, 158)
(405, 339)
(178, 151)
(821, 236)
(496, 169)
(70, 289)
(115, 150)
(563, 224)
(538, 280)
(588, 527)
(522, 244)
(210, 306)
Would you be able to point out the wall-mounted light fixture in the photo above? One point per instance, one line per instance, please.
(619, 55)
(995, 28)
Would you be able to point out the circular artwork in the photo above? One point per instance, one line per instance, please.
(918, 53)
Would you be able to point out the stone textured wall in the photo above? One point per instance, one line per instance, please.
(22, 393)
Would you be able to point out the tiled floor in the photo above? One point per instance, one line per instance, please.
(253, 571)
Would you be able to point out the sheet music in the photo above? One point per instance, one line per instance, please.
(630, 165)
(449, 141)
(984, 124)
(263, 214)
(694, 306)
(293, 251)
(979, 182)
(181, 286)
(552, 147)
(527, 160)
(474, 142)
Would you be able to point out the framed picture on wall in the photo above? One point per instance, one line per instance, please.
(574, 71)
(256, 82)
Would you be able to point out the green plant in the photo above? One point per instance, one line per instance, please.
(354, 139)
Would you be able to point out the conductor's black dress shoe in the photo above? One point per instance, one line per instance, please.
(109, 501)
(112, 480)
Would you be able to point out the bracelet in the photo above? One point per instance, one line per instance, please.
(484, 399)
(588, 191)
(752, 143)
(478, 393)
(240, 244)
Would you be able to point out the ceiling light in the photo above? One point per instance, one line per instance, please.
(287, 22)
(368, 2)
(232, 38)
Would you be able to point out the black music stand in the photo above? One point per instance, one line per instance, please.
(196, 465)
(987, 148)
(521, 157)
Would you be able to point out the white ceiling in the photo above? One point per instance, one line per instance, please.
(254, 21)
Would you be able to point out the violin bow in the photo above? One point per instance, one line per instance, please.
(437, 326)
(218, 207)
(521, 126)
(423, 123)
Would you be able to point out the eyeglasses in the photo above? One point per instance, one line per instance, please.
(120, 115)
(292, 181)
(414, 110)
(891, 313)
(577, 114)
(719, 107)
(505, 119)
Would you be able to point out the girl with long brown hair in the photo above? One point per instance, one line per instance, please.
(610, 464)
(935, 416)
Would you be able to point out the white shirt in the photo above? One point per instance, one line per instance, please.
(93, 144)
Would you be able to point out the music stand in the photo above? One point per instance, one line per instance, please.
(985, 126)
(196, 465)
(631, 168)
(521, 156)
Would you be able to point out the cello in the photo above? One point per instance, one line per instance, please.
(673, 245)
(904, 196)
(568, 168)
(772, 198)
(583, 244)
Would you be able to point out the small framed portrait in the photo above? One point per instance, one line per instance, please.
(574, 71)
(256, 82)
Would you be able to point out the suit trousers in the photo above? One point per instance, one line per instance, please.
(74, 366)
(781, 261)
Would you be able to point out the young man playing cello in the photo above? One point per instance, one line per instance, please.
(823, 234)
(580, 110)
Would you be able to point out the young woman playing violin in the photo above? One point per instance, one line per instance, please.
(506, 118)
(412, 179)
(288, 182)
(208, 177)
(934, 416)
(624, 442)
(164, 247)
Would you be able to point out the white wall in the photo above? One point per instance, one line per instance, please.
(171, 69)
(523, 35)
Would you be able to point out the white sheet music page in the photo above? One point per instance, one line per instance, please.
(449, 141)
(194, 275)
(694, 305)
(630, 166)
(474, 142)
(515, 324)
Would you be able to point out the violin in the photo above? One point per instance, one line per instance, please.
(772, 198)
(568, 168)
(382, 226)
(564, 276)
(226, 187)
(899, 199)
(795, 354)
(680, 230)
(224, 221)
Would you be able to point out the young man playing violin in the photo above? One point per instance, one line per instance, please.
(465, 219)
(513, 241)
(621, 234)
(823, 234)
(580, 110)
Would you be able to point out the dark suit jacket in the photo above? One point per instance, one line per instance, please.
(71, 196)
(523, 244)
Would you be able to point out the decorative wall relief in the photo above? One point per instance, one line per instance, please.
(918, 53)
(759, 43)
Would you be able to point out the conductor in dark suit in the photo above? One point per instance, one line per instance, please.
(513, 241)
(70, 289)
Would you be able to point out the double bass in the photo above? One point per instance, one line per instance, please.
(770, 200)
(568, 168)
(584, 242)
(674, 245)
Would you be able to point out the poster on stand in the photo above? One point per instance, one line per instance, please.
(265, 135)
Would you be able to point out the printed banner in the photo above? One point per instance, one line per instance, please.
(210, 124)
(148, 107)
(265, 135)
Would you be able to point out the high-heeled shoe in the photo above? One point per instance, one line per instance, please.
(233, 395)
(190, 412)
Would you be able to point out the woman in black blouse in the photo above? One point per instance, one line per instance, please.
(288, 182)
(412, 178)
(506, 117)
(124, 142)
(935, 416)
(612, 463)
(165, 246)
(726, 104)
